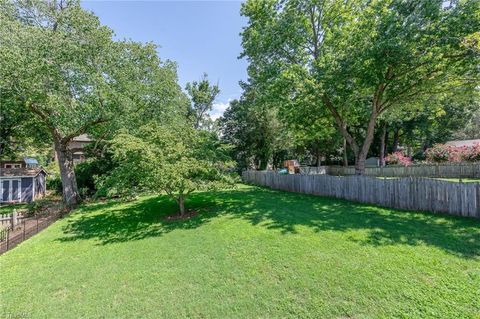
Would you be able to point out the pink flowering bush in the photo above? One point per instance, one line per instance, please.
(439, 153)
(398, 158)
(472, 154)
(446, 153)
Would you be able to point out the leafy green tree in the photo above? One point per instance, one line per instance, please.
(434, 119)
(203, 94)
(255, 131)
(471, 126)
(310, 126)
(64, 69)
(363, 58)
(165, 160)
(19, 131)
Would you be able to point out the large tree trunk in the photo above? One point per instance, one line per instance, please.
(71, 197)
(345, 158)
(383, 136)
(361, 156)
(359, 152)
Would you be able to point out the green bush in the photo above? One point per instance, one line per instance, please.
(88, 172)
(54, 183)
(38, 207)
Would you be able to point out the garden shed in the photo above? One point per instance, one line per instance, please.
(22, 185)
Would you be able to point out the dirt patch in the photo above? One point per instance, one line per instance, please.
(189, 214)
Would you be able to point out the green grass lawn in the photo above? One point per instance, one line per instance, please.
(251, 253)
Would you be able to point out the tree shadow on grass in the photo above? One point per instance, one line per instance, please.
(115, 222)
(286, 211)
(276, 210)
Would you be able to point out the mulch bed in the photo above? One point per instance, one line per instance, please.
(189, 214)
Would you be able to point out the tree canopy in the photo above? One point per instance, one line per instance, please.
(62, 67)
(362, 58)
(202, 94)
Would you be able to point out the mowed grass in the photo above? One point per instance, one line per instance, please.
(251, 253)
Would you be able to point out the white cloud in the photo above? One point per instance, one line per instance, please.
(218, 109)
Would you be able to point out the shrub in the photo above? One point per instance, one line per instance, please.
(472, 154)
(441, 153)
(54, 183)
(438, 153)
(398, 158)
(89, 171)
(38, 207)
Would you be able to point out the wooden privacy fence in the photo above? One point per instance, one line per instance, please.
(412, 193)
(450, 170)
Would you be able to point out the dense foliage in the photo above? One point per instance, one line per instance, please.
(357, 62)
(62, 68)
(202, 94)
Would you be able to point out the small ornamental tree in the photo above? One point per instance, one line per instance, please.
(162, 160)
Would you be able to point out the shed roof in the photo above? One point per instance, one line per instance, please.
(17, 172)
(30, 161)
(82, 138)
(463, 143)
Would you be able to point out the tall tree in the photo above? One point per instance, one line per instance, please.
(65, 69)
(203, 94)
(363, 58)
(14, 127)
(255, 131)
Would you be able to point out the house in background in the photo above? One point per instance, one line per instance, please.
(76, 146)
(21, 181)
(463, 143)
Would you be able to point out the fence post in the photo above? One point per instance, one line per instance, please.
(8, 239)
(14, 218)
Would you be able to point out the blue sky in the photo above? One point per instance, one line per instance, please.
(201, 36)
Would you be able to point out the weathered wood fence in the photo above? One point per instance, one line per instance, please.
(412, 193)
(450, 170)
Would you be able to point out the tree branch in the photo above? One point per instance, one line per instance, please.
(82, 129)
(340, 123)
